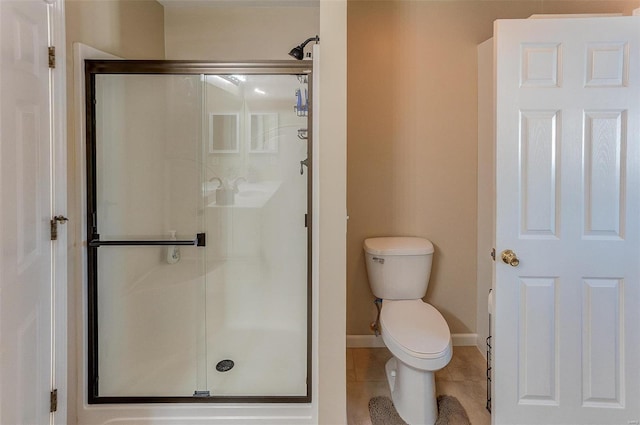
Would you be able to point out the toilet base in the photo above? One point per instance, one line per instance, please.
(413, 393)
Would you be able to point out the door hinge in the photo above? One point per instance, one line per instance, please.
(306, 221)
(52, 56)
(53, 401)
(54, 225)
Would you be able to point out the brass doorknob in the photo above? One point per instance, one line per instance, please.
(509, 257)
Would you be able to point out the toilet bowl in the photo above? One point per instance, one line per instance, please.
(415, 332)
(419, 339)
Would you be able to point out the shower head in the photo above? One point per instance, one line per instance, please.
(298, 51)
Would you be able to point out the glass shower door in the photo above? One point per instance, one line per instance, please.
(199, 233)
(149, 291)
(256, 190)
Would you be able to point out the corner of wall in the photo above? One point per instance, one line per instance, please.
(332, 218)
(486, 189)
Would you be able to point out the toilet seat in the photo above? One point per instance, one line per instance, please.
(416, 333)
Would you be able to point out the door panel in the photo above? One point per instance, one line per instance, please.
(539, 184)
(25, 196)
(603, 370)
(568, 106)
(538, 342)
(604, 180)
(150, 308)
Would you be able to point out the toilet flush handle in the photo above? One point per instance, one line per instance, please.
(378, 260)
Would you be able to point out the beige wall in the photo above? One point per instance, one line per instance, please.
(237, 33)
(128, 29)
(412, 136)
(332, 165)
(240, 35)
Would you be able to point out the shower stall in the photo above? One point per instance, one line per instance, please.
(199, 232)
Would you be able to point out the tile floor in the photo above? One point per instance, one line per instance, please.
(464, 378)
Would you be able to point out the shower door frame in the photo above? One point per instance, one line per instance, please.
(180, 67)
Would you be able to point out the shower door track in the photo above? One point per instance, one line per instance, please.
(179, 67)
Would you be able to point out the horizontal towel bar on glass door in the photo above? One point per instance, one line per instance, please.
(200, 240)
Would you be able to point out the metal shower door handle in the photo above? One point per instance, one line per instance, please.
(199, 240)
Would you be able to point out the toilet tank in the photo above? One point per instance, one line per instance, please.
(398, 267)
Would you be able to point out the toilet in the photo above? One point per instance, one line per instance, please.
(415, 332)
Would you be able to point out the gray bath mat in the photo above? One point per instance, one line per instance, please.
(450, 412)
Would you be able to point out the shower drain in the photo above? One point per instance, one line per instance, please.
(224, 365)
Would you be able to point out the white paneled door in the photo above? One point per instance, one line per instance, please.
(567, 322)
(26, 263)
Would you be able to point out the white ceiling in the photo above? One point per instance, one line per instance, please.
(240, 3)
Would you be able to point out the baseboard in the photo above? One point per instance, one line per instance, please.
(372, 341)
(464, 340)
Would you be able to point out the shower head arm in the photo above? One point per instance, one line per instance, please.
(308, 40)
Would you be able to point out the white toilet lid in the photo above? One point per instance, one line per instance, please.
(396, 245)
(415, 326)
